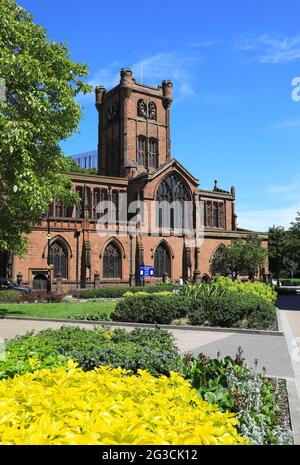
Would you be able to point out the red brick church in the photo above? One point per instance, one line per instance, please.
(91, 245)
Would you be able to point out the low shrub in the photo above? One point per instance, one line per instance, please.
(119, 291)
(151, 309)
(10, 296)
(43, 297)
(152, 350)
(201, 290)
(233, 310)
(107, 406)
(235, 387)
(265, 291)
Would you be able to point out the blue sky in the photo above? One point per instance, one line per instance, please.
(232, 65)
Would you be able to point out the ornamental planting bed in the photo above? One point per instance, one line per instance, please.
(77, 386)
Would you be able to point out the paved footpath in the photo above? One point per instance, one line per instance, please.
(289, 319)
(271, 352)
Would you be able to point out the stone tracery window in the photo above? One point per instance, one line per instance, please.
(141, 152)
(153, 153)
(59, 258)
(112, 261)
(173, 206)
(162, 261)
(214, 214)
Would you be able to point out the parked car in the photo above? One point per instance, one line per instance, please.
(7, 284)
(276, 283)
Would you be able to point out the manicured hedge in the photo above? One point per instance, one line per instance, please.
(10, 296)
(152, 350)
(119, 291)
(151, 309)
(229, 310)
(233, 310)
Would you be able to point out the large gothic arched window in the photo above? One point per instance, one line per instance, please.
(162, 261)
(59, 258)
(112, 261)
(173, 206)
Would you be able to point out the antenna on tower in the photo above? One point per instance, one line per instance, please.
(141, 72)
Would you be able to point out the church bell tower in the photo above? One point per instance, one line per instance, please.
(134, 127)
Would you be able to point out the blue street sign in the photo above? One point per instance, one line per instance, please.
(146, 271)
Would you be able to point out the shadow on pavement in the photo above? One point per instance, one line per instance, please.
(289, 302)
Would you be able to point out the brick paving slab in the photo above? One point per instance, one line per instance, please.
(271, 352)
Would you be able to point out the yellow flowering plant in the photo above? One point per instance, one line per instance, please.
(66, 405)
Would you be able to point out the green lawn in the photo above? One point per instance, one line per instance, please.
(63, 310)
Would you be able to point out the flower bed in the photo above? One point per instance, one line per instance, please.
(105, 406)
(152, 350)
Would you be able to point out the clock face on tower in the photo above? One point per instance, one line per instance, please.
(112, 111)
(146, 109)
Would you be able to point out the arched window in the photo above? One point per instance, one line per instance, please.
(216, 264)
(215, 215)
(173, 191)
(162, 261)
(141, 151)
(59, 258)
(153, 154)
(79, 206)
(112, 261)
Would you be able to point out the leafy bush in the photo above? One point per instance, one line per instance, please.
(43, 297)
(107, 406)
(233, 310)
(10, 296)
(119, 291)
(201, 290)
(145, 294)
(151, 309)
(154, 350)
(233, 386)
(265, 291)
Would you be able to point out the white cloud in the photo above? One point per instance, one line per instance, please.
(286, 193)
(272, 49)
(261, 220)
(290, 123)
(176, 66)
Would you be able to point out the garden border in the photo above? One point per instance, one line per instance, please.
(148, 325)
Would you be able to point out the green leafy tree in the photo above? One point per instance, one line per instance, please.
(73, 167)
(292, 250)
(247, 254)
(40, 110)
(277, 250)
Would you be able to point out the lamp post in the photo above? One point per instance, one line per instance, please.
(48, 257)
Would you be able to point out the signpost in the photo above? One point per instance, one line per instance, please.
(146, 271)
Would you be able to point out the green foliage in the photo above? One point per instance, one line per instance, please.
(202, 290)
(233, 310)
(247, 254)
(119, 291)
(151, 309)
(39, 112)
(265, 291)
(284, 249)
(234, 386)
(225, 309)
(276, 250)
(73, 167)
(10, 296)
(152, 350)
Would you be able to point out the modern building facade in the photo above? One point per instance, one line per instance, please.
(143, 208)
(87, 160)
